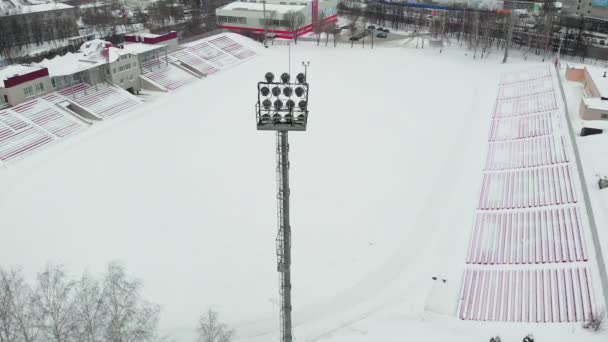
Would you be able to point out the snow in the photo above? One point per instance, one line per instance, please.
(247, 6)
(51, 6)
(183, 192)
(68, 64)
(600, 81)
(596, 103)
(16, 70)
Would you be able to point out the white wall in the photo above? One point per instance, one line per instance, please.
(16, 94)
(128, 77)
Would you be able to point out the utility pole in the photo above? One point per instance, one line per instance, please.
(265, 23)
(510, 32)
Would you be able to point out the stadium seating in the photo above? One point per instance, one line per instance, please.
(527, 259)
(103, 99)
(49, 117)
(19, 137)
(167, 74)
(230, 46)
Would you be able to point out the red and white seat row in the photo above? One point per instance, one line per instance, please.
(528, 188)
(18, 137)
(167, 75)
(104, 99)
(50, 118)
(526, 88)
(551, 235)
(194, 61)
(525, 105)
(526, 75)
(209, 53)
(527, 295)
(523, 153)
(230, 46)
(520, 127)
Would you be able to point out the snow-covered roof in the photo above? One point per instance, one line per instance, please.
(596, 103)
(601, 82)
(16, 70)
(136, 48)
(36, 8)
(69, 64)
(259, 7)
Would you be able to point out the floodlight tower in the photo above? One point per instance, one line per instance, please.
(276, 110)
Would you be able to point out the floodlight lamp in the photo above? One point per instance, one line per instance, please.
(288, 117)
(301, 78)
(276, 117)
(287, 91)
(302, 104)
(278, 104)
(269, 77)
(266, 104)
(285, 77)
(299, 91)
(301, 117)
(265, 91)
(276, 91)
(290, 104)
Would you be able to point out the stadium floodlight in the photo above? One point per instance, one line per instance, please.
(273, 101)
(276, 110)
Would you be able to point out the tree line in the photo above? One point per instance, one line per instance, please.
(110, 308)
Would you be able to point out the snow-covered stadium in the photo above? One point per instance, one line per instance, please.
(431, 192)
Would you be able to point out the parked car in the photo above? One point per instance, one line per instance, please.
(371, 27)
(355, 38)
(380, 29)
(381, 35)
(346, 27)
(387, 30)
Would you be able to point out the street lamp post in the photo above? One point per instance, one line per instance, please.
(277, 110)
(306, 65)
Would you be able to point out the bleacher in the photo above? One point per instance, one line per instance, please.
(528, 295)
(215, 56)
(19, 137)
(183, 56)
(167, 74)
(527, 259)
(228, 45)
(103, 99)
(50, 118)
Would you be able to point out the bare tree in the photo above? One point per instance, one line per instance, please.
(90, 314)
(294, 21)
(17, 320)
(130, 318)
(210, 329)
(55, 305)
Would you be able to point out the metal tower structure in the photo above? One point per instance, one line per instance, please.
(276, 110)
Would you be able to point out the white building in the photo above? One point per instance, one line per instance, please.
(20, 83)
(257, 16)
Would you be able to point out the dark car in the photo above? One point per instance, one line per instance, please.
(381, 35)
(371, 27)
(355, 38)
(380, 29)
(346, 27)
(386, 30)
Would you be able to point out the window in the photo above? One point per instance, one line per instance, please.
(28, 91)
(122, 80)
(604, 116)
(114, 70)
(53, 82)
(6, 98)
(39, 87)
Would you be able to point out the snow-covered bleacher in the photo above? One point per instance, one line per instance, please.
(49, 117)
(195, 62)
(103, 99)
(527, 257)
(18, 136)
(228, 45)
(166, 74)
(211, 54)
(528, 295)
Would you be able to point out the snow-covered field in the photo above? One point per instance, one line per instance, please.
(182, 191)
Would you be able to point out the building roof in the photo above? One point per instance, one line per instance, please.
(69, 64)
(259, 7)
(36, 8)
(601, 82)
(16, 70)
